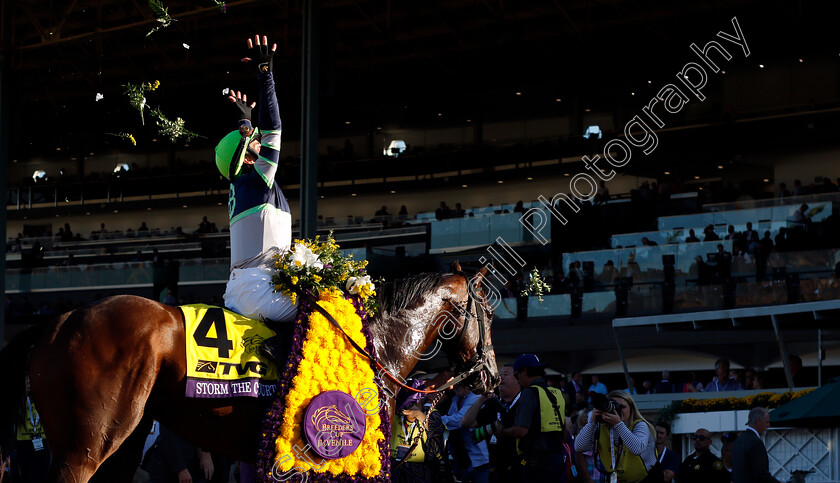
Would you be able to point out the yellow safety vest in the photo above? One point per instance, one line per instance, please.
(398, 437)
(551, 414)
(630, 468)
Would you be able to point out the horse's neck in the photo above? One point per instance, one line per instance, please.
(396, 343)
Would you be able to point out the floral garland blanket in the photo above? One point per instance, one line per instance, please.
(326, 422)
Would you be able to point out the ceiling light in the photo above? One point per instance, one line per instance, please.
(352, 194)
(530, 178)
(392, 192)
(150, 209)
(346, 122)
(440, 114)
(667, 172)
(696, 177)
(565, 174)
(463, 186)
(632, 93)
(720, 166)
(760, 66)
(500, 182)
(558, 100)
(518, 93)
(587, 109)
(800, 60)
(649, 82)
(183, 206)
(766, 180)
(469, 120)
(116, 211)
(58, 149)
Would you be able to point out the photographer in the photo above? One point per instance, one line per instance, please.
(489, 415)
(630, 453)
(538, 425)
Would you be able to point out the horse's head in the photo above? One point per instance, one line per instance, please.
(471, 346)
(422, 316)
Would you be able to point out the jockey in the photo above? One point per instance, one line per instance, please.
(260, 222)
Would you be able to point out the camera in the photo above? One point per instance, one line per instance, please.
(601, 403)
(485, 432)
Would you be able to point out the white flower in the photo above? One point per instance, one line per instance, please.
(302, 256)
(355, 284)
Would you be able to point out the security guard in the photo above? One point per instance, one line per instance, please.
(702, 466)
(538, 425)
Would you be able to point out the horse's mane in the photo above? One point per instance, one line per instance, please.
(405, 292)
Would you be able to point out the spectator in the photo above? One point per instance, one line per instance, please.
(730, 233)
(647, 387)
(750, 237)
(648, 243)
(596, 386)
(500, 411)
(800, 217)
(665, 386)
(781, 241)
(603, 194)
(350, 220)
(520, 207)
(797, 188)
(382, 212)
(204, 226)
(417, 452)
(758, 381)
(143, 227)
(766, 244)
(443, 212)
(67, 234)
(631, 390)
(702, 466)
(795, 364)
(539, 423)
(722, 381)
(691, 384)
(668, 460)
(575, 392)
(173, 460)
(692, 238)
(403, 214)
(783, 191)
(636, 461)
(609, 273)
(459, 211)
(709, 234)
(471, 460)
(749, 456)
(588, 456)
(727, 441)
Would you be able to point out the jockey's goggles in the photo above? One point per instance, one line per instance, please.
(230, 152)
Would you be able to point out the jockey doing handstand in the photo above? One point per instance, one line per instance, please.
(260, 222)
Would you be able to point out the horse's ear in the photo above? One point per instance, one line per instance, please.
(479, 276)
(456, 267)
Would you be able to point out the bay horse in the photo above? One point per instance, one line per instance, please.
(102, 372)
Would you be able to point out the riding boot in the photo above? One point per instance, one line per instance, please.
(276, 348)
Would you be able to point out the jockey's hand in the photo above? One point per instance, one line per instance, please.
(205, 461)
(264, 55)
(184, 476)
(240, 101)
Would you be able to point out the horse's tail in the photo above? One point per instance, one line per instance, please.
(14, 359)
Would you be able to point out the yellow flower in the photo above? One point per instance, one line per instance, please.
(295, 280)
(316, 277)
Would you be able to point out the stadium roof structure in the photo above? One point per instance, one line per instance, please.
(819, 316)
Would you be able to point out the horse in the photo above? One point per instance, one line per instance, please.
(102, 372)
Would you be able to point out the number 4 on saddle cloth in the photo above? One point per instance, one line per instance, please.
(224, 356)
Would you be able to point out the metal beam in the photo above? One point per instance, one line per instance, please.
(783, 352)
(309, 121)
(4, 178)
(621, 356)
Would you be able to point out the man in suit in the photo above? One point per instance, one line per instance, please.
(749, 456)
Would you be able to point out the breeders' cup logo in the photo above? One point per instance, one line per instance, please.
(334, 424)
